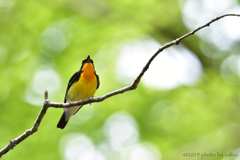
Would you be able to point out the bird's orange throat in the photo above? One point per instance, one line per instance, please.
(88, 72)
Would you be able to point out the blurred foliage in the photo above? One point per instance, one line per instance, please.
(37, 35)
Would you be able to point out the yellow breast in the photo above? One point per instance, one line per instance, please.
(85, 87)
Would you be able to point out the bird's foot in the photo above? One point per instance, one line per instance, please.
(90, 99)
(71, 102)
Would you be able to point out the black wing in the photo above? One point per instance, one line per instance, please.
(73, 79)
(98, 82)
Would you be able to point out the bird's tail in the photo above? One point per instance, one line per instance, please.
(62, 122)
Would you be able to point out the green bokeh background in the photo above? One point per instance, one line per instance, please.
(208, 111)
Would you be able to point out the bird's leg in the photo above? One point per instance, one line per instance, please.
(70, 103)
(90, 98)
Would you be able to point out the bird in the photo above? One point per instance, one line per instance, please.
(81, 86)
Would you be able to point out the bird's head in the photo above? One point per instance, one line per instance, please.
(87, 65)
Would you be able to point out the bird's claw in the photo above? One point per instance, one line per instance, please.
(90, 99)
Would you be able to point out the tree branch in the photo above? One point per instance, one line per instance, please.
(132, 86)
(28, 132)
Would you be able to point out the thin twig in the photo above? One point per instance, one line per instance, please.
(28, 132)
(132, 86)
(145, 68)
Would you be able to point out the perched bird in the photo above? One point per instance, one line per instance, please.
(82, 85)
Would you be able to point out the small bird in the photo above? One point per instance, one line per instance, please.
(82, 85)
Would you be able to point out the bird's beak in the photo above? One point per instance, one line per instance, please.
(88, 59)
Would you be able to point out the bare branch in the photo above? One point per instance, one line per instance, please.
(145, 68)
(28, 132)
(132, 86)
